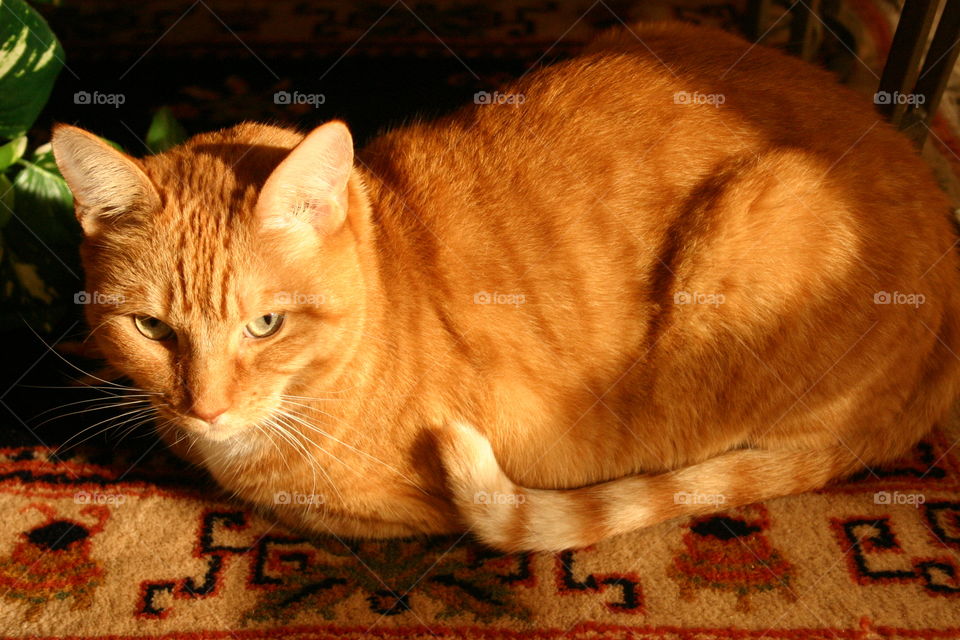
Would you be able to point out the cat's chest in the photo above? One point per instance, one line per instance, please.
(245, 465)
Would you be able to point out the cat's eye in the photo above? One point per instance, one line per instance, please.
(265, 325)
(152, 328)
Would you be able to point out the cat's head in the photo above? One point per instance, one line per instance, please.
(226, 271)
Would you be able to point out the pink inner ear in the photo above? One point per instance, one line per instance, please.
(314, 210)
(311, 183)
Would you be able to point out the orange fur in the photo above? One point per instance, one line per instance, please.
(596, 210)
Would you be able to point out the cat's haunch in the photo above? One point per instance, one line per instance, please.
(676, 274)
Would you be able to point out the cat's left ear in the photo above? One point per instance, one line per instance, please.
(310, 185)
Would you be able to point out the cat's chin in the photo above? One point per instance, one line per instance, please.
(213, 433)
(220, 435)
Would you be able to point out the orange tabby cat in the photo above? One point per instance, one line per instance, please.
(674, 274)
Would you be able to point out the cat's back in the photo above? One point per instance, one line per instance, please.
(668, 101)
(642, 127)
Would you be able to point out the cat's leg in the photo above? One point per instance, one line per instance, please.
(514, 518)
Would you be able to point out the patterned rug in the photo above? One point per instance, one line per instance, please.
(121, 549)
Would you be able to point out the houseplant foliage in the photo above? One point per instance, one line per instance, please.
(39, 263)
(35, 206)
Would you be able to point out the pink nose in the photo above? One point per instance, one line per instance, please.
(208, 413)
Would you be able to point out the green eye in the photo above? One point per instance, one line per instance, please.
(264, 326)
(152, 328)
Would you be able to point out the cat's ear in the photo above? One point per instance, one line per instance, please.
(310, 185)
(106, 184)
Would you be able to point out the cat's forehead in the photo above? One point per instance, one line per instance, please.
(196, 187)
(221, 171)
(202, 268)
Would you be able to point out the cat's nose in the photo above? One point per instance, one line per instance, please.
(208, 413)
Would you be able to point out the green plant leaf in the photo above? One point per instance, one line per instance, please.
(43, 271)
(164, 131)
(30, 59)
(12, 151)
(42, 156)
(25, 295)
(44, 201)
(6, 200)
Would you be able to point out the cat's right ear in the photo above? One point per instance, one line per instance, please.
(106, 184)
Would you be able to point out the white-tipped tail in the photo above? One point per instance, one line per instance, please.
(509, 517)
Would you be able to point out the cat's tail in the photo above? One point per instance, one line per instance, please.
(509, 517)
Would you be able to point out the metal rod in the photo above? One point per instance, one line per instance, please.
(937, 67)
(903, 62)
(803, 29)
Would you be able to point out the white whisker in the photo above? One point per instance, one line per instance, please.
(112, 405)
(73, 366)
(88, 400)
(300, 418)
(286, 428)
(134, 414)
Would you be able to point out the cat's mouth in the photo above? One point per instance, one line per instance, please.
(229, 424)
(224, 428)
(214, 433)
